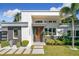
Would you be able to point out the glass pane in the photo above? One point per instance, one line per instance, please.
(15, 33)
(54, 31)
(77, 33)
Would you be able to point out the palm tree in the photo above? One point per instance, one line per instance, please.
(70, 12)
(17, 17)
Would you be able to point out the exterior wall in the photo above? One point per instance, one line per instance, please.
(10, 38)
(65, 29)
(27, 33)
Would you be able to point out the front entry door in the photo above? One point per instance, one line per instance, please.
(38, 34)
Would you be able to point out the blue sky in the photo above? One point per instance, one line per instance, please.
(8, 7)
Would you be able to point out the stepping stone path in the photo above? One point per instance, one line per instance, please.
(38, 51)
(38, 48)
(4, 51)
(19, 51)
(1, 49)
(27, 51)
(12, 51)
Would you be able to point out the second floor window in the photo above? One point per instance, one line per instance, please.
(54, 21)
(50, 21)
(38, 21)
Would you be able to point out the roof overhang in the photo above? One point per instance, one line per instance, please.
(38, 24)
(44, 17)
(14, 24)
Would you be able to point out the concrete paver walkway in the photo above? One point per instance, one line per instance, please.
(27, 51)
(12, 51)
(38, 48)
(4, 51)
(38, 51)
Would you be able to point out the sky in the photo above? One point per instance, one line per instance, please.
(8, 10)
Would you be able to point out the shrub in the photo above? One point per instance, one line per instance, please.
(25, 42)
(4, 43)
(58, 42)
(76, 42)
(50, 42)
(18, 44)
(67, 41)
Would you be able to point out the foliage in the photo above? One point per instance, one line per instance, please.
(4, 43)
(18, 44)
(25, 42)
(76, 42)
(58, 42)
(17, 17)
(50, 42)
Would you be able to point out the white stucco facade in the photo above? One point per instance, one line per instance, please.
(26, 16)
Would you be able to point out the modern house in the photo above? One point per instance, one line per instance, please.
(34, 26)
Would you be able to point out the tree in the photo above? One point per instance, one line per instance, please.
(17, 17)
(70, 12)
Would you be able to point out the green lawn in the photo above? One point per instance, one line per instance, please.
(55, 50)
(60, 51)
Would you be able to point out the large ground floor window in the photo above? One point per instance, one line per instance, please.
(77, 33)
(50, 31)
(3, 35)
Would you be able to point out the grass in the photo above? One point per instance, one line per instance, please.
(55, 50)
(77, 47)
(60, 51)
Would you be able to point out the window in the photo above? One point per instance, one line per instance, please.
(38, 21)
(54, 21)
(15, 33)
(77, 33)
(50, 31)
(50, 21)
(54, 31)
(68, 33)
(46, 31)
(4, 35)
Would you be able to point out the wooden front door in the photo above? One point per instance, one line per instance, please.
(38, 34)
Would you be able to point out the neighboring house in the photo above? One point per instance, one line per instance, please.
(34, 25)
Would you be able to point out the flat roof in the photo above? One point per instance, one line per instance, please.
(38, 11)
(14, 24)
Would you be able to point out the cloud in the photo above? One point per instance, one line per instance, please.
(11, 13)
(58, 9)
(54, 9)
